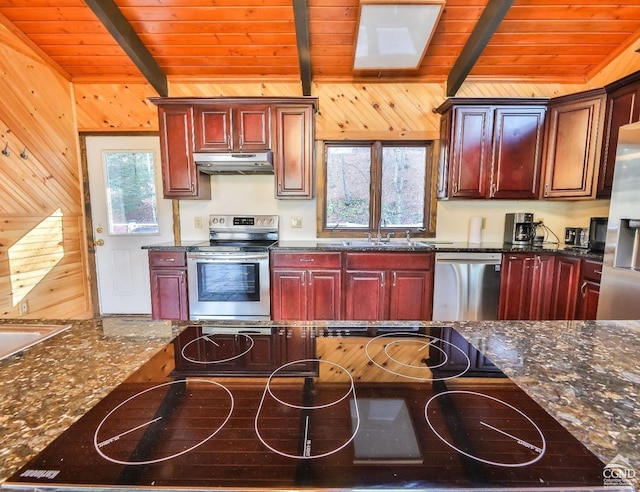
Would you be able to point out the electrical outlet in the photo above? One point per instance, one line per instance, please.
(296, 222)
(197, 222)
(24, 307)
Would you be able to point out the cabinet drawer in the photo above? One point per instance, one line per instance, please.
(389, 261)
(166, 259)
(306, 260)
(592, 270)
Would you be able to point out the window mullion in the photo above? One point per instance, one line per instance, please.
(376, 183)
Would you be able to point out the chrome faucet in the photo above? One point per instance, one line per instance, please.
(381, 224)
(388, 236)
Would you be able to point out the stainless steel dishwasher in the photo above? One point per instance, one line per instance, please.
(466, 286)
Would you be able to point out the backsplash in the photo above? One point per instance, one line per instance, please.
(255, 195)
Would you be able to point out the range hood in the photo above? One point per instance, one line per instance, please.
(234, 163)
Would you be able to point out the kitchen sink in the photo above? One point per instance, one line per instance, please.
(383, 244)
(15, 338)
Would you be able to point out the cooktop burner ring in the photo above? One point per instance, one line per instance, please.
(413, 338)
(98, 444)
(207, 338)
(305, 413)
(350, 382)
(540, 450)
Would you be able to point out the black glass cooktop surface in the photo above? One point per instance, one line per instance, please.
(292, 408)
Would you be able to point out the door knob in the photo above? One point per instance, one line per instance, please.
(99, 242)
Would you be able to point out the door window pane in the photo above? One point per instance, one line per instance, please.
(131, 193)
(348, 186)
(403, 186)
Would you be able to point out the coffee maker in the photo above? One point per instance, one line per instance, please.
(519, 228)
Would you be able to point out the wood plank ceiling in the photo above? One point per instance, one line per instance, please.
(313, 40)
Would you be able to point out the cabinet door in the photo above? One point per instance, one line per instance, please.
(589, 291)
(289, 295)
(410, 295)
(525, 287)
(365, 295)
(169, 294)
(541, 287)
(263, 354)
(297, 345)
(444, 159)
(517, 152)
(470, 152)
(573, 143)
(515, 286)
(213, 129)
(253, 127)
(622, 108)
(588, 297)
(565, 288)
(180, 178)
(324, 295)
(294, 155)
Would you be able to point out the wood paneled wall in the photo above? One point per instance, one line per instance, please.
(42, 247)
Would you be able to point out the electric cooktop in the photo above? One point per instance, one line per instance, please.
(294, 408)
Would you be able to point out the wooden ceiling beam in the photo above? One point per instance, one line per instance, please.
(487, 25)
(301, 18)
(117, 24)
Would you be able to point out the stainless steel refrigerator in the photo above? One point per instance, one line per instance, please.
(620, 285)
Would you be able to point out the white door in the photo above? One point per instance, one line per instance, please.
(128, 212)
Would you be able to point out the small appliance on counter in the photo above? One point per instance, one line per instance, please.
(519, 228)
(598, 233)
(576, 237)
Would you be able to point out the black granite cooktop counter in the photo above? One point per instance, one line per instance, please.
(584, 373)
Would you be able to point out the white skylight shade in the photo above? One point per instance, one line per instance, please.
(394, 36)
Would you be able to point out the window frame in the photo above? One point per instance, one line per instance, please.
(428, 227)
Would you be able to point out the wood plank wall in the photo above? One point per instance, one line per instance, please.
(38, 112)
(42, 247)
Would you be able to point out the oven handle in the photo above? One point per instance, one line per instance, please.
(226, 257)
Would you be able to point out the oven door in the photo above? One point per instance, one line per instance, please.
(225, 285)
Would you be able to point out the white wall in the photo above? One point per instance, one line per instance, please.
(255, 195)
(453, 216)
(250, 195)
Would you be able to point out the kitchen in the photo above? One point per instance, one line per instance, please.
(124, 107)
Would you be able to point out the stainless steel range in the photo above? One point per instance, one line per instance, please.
(308, 407)
(229, 274)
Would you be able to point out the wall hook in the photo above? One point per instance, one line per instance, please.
(23, 154)
(5, 151)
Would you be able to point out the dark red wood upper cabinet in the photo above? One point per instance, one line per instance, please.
(180, 178)
(491, 148)
(622, 108)
(517, 152)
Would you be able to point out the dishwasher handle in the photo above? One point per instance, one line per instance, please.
(467, 258)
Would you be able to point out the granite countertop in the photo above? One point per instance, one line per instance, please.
(49, 386)
(417, 245)
(584, 373)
